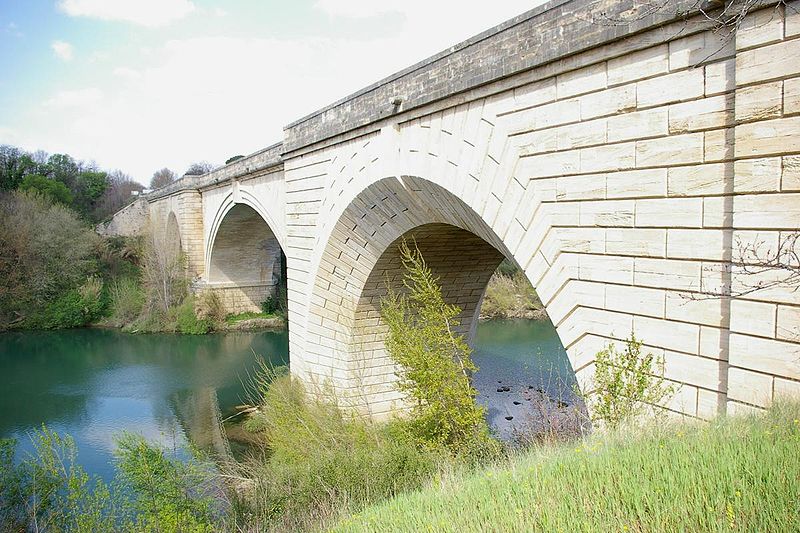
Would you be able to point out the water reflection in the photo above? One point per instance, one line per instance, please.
(93, 384)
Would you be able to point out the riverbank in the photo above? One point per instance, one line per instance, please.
(509, 294)
(731, 474)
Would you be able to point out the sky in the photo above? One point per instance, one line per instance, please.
(138, 85)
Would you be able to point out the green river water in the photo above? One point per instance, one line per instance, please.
(95, 383)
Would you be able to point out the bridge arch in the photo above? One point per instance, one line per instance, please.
(360, 256)
(245, 263)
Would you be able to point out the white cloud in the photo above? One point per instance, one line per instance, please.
(209, 98)
(63, 50)
(75, 99)
(356, 8)
(151, 13)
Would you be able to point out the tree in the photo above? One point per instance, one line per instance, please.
(65, 169)
(14, 164)
(51, 189)
(234, 158)
(162, 178)
(435, 362)
(198, 169)
(117, 195)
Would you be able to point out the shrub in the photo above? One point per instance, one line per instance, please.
(78, 307)
(320, 460)
(626, 384)
(126, 301)
(46, 251)
(509, 296)
(187, 320)
(435, 362)
(212, 309)
(270, 306)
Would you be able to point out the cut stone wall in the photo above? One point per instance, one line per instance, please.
(239, 298)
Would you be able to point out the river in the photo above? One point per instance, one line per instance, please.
(94, 383)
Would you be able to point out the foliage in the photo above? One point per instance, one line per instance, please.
(270, 306)
(153, 491)
(233, 159)
(15, 164)
(45, 252)
(626, 383)
(126, 301)
(320, 460)
(163, 273)
(435, 362)
(76, 308)
(247, 315)
(187, 320)
(54, 190)
(165, 493)
(212, 308)
(737, 474)
(509, 296)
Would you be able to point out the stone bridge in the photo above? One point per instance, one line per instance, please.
(628, 164)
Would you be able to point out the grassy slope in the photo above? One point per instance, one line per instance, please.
(731, 475)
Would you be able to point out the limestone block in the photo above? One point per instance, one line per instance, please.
(769, 356)
(608, 102)
(585, 80)
(704, 114)
(636, 183)
(767, 211)
(709, 404)
(792, 22)
(678, 275)
(635, 300)
(691, 51)
(636, 242)
(675, 87)
(696, 244)
(775, 61)
(759, 102)
(537, 142)
(575, 294)
(718, 212)
(554, 114)
(788, 327)
(533, 94)
(749, 387)
(668, 151)
(742, 409)
(697, 309)
(638, 65)
(582, 134)
(759, 28)
(594, 321)
(545, 165)
(587, 187)
(757, 175)
(785, 388)
(713, 178)
(584, 351)
(607, 213)
(790, 180)
(694, 370)
(673, 212)
(720, 77)
(638, 125)
(670, 335)
(719, 145)
(791, 96)
(610, 157)
(714, 342)
(770, 285)
(605, 268)
(753, 318)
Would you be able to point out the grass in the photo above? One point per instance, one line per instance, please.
(248, 315)
(510, 296)
(740, 474)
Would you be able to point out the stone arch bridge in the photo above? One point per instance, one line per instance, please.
(627, 167)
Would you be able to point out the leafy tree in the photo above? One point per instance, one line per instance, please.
(118, 194)
(435, 362)
(63, 168)
(14, 165)
(234, 158)
(162, 178)
(52, 189)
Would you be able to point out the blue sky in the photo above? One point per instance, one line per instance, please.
(142, 84)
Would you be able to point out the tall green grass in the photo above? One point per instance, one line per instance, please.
(739, 474)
